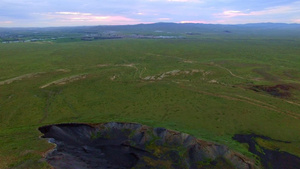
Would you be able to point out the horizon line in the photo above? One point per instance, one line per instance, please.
(179, 23)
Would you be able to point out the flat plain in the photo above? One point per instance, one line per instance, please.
(210, 86)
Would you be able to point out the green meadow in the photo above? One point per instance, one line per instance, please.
(203, 86)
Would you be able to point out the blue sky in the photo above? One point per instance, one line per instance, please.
(44, 13)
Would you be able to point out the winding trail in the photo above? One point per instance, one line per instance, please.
(245, 100)
(256, 101)
(131, 65)
(50, 98)
(234, 75)
(65, 80)
(142, 71)
(297, 104)
(26, 76)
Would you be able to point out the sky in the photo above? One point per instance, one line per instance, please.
(52, 13)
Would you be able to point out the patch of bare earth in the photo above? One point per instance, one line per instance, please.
(213, 81)
(291, 102)
(26, 76)
(102, 65)
(280, 90)
(65, 80)
(113, 77)
(188, 61)
(117, 65)
(63, 70)
(172, 73)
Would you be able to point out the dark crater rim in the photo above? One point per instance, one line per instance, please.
(129, 144)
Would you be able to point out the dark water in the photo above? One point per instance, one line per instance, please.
(270, 159)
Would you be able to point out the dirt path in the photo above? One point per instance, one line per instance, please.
(131, 65)
(245, 100)
(297, 104)
(65, 80)
(142, 71)
(257, 101)
(26, 76)
(232, 74)
(50, 98)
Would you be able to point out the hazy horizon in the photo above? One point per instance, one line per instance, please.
(24, 27)
(54, 13)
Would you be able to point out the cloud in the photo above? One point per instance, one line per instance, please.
(94, 12)
(232, 13)
(6, 22)
(187, 1)
(178, 0)
(164, 19)
(73, 13)
(78, 18)
(296, 20)
(285, 9)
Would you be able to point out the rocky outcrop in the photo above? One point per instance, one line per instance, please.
(128, 145)
(174, 73)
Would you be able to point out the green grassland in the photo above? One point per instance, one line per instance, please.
(213, 102)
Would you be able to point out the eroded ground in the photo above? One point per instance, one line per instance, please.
(129, 145)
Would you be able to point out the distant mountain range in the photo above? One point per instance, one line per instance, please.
(253, 29)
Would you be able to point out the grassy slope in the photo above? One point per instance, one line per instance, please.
(188, 103)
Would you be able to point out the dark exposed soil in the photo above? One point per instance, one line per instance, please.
(280, 90)
(270, 159)
(127, 145)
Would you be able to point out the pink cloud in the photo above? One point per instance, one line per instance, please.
(6, 22)
(296, 20)
(77, 18)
